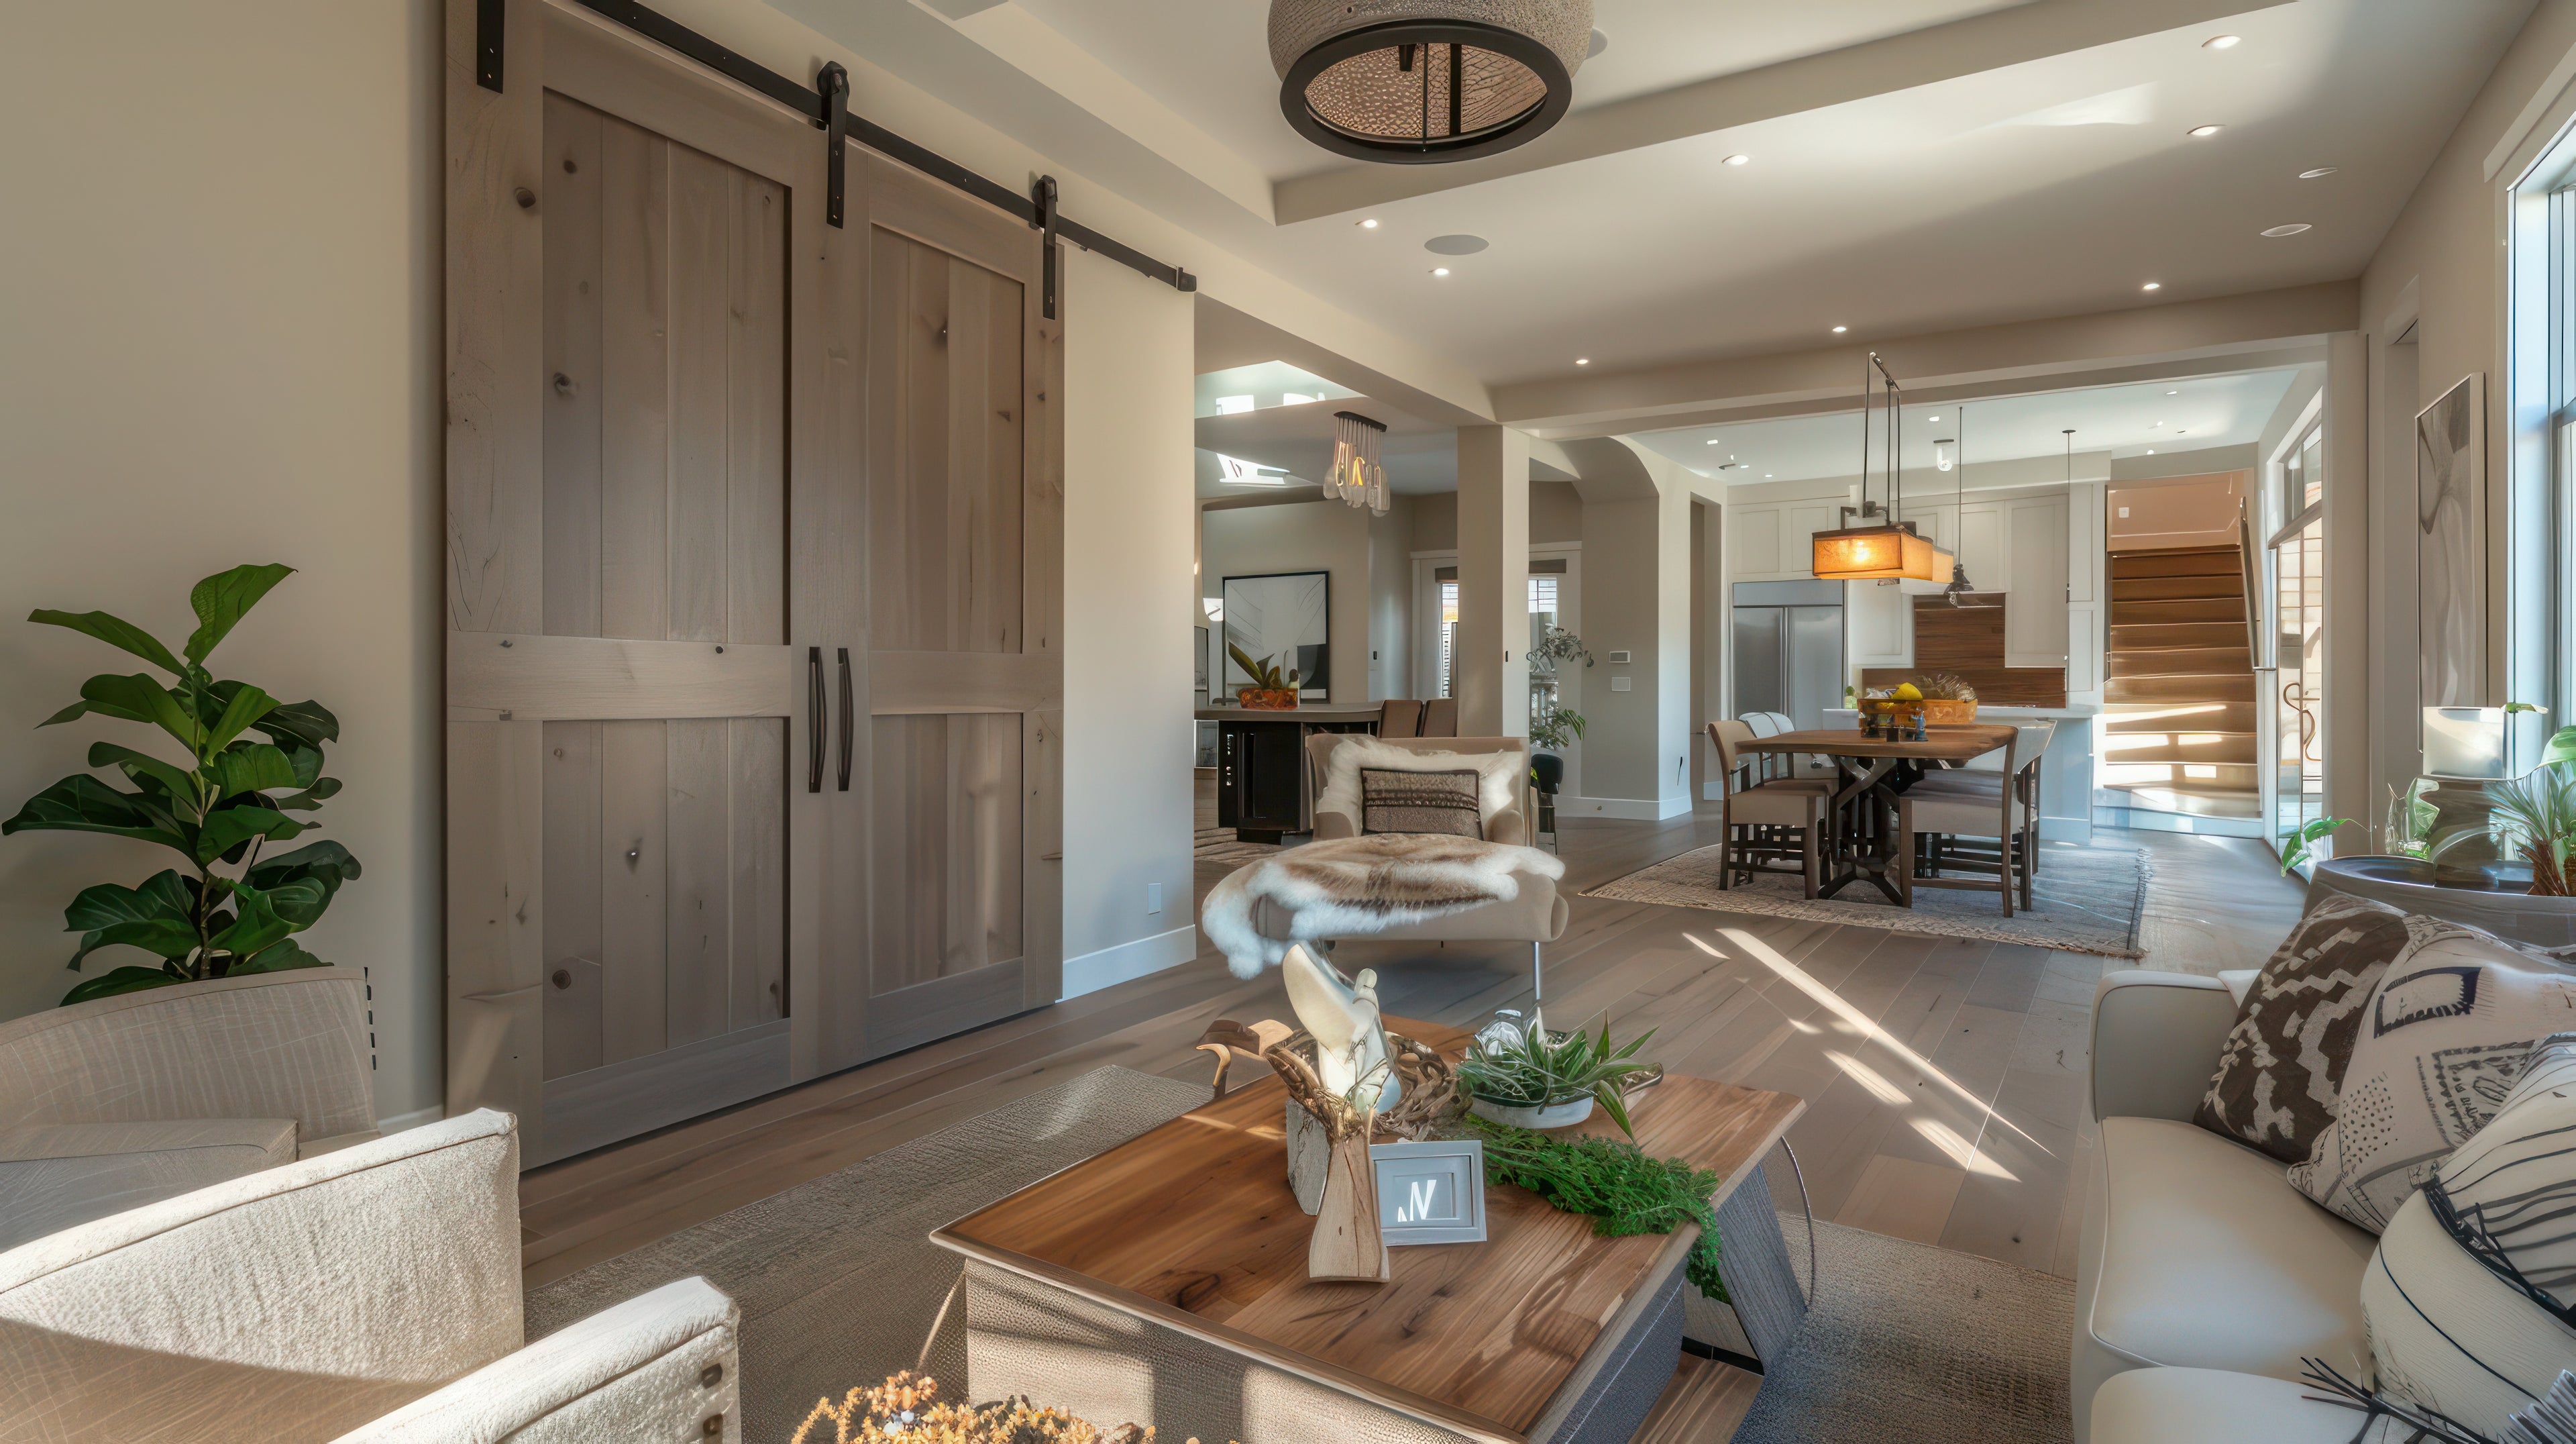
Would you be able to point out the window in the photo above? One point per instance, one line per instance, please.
(2539, 555)
(1448, 631)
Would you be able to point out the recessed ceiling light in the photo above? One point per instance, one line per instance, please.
(1838, 330)
(1370, 224)
(2153, 286)
(2151, 451)
(1712, 441)
(2173, 393)
(1582, 360)
(2222, 42)
(1440, 270)
(1766, 476)
(1739, 160)
(2320, 173)
(2204, 132)
(1460, 245)
(2278, 231)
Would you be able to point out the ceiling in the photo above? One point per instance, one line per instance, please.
(1421, 454)
(2159, 417)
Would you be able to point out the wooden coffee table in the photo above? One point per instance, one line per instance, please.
(1164, 1282)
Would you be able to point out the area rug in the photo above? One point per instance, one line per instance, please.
(1910, 1344)
(2088, 900)
(837, 1280)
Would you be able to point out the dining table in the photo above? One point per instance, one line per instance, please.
(1871, 773)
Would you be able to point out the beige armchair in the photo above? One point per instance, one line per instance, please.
(371, 1294)
(1538, 915)
(122, 1101)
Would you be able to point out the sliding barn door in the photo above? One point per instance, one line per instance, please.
(644, 321)
(755, 568)
(965, 593)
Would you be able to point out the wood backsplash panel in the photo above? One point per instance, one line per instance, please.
(1969, 640)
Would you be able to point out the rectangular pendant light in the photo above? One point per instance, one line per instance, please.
(1879, 553)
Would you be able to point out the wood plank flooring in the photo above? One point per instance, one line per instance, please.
(1944, 1077)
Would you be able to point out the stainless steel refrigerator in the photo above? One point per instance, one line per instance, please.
(1789, 649)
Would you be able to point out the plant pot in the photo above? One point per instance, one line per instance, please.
(1267, 699)
(2495, 896)
(1946, 712)
(1554, 1115)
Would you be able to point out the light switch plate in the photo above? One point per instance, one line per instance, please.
(1430, 1192)
(1619, 684)
(1619, 657)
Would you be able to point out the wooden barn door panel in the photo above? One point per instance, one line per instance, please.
(966, 664)
(624, 679)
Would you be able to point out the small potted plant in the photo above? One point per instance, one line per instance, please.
(1948, 700)
(1269, 689)
(1527, 1076)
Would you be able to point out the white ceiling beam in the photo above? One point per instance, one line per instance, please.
(1970, 46)
(2103, 347)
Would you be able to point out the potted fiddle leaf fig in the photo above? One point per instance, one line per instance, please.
(214, 781)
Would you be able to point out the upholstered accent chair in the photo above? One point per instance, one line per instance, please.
(126, 1100)
(1536, 916)
(370, 1294)
(1764, 821)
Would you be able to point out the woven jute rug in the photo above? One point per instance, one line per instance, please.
(2087, 898)
(838, 1281)
(1905, 1343)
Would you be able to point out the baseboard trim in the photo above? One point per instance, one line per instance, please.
(1127, 962)
(414, 1119)
(1625, 809)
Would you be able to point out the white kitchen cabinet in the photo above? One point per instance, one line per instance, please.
(2036, 537)
(1753, 542)
(1879, 622)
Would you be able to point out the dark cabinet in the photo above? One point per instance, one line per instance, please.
(1262, 786)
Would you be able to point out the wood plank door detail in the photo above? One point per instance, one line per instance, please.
(755, 570)
(965, 589)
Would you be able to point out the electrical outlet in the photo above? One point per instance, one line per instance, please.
(1153, 898)
(2124, 513)
(1619, 684)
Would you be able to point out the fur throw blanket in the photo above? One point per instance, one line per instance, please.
(1351, 886)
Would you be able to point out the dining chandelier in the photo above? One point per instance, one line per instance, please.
(1415, 82)
(1888, 550)
(1358, 476)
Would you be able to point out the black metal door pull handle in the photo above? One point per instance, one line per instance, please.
(814, 719)
(848, 723)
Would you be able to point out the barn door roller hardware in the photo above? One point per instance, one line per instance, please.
(826, 103)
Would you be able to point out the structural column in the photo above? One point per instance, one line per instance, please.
(1493, 582)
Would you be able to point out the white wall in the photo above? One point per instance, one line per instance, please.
(219, 343)
(1307, 536)
(1128, 517)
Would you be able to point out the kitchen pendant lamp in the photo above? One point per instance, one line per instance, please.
(1889, 550)
(1419, 82)
(1358, 476)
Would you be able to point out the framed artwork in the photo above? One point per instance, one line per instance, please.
(2450, 545)
(1284, 618)
(1430, 1192)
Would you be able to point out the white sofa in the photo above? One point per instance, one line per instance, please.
(370, 1294)
(127, 1100)
(2203, 1277)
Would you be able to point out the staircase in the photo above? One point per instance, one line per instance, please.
(2179, 750)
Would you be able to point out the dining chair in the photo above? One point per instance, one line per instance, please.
(1439, 717)
(1767, 766)
(1987, 776)
(1399, 717)
(1965, 808)
(1755, 821)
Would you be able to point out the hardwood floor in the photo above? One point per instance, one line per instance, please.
(1944, 1077)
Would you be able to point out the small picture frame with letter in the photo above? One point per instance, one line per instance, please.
(1430, 1192)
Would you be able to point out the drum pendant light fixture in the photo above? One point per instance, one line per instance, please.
(1887, 550)
(1419, 82)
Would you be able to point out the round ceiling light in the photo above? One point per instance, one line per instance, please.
(1455, 245)
(1418, 82)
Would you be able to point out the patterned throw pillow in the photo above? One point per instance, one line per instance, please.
(2284, 1061)
(1433, 802)
(2443, 1041)
(2471, 1297)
